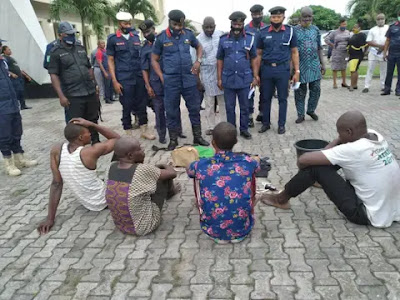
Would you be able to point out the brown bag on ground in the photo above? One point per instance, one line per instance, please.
(184, 156)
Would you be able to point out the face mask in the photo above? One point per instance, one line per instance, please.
(276, 25)
(237, 30)
(69, 39)
(342, 28)
(380, 23)
(356, 31)
(126, 30)
(257, 20)
(175, 32)
(151, 37)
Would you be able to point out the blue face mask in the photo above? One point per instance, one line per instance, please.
(69, 39)
(175, 32)
(126, 30)
(342, 28)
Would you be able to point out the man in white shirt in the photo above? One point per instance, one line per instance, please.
(376, 40)
(370, 195)
(74, 164)
(209, 39)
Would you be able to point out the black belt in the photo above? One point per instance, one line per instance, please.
(274, 64)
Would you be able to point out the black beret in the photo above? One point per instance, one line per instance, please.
(146, 25)
(256, 8)
(237, 16)
(177, 15)
(277, 10)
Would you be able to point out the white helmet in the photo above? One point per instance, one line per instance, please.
(124, 16)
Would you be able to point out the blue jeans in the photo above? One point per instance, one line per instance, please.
(392, 61)
(10, 134)
(275, 77)
(230, 105)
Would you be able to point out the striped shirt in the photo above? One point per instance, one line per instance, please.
(83, 182)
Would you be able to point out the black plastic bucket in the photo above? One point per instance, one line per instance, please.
(310, 145)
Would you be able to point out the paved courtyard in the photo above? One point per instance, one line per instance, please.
(308, 252)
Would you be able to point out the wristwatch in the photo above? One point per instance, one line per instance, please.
(297, 71)
(199, 60)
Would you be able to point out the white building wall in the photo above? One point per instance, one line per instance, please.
(20, 27)
(28, 42)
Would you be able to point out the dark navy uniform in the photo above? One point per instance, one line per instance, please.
(237, 74)
(46, 63)
(72, 66)
(178, 79)
(275, 68)
(156, 85)
(255, 30)
(126, 53)
(393, 58)
(19, 82)
(10, 117)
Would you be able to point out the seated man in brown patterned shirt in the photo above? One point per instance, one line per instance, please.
(136, 191)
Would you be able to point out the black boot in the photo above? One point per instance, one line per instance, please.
(23, 104)
(197, 138)
(173, 140)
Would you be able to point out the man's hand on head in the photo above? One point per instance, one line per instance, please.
(82, 122)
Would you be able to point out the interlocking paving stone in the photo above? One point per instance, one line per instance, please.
(307, 252)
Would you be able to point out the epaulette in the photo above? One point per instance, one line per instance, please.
(55, 47)
(224, 34)
(250, 33)
(111, 35)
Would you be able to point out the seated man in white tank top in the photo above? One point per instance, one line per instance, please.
(75, 165)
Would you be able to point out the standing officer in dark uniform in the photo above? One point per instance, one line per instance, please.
(178, 75)
(393, 58)
(72, 78)
(46, 61)
(254, 26)
(17, 76)
(153, 83)
(123, 51)
(276, 47)
(235, 58)
(10, 125)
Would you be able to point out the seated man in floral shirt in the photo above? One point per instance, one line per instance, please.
(225, 188)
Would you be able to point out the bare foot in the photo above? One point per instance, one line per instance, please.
(273, 200)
